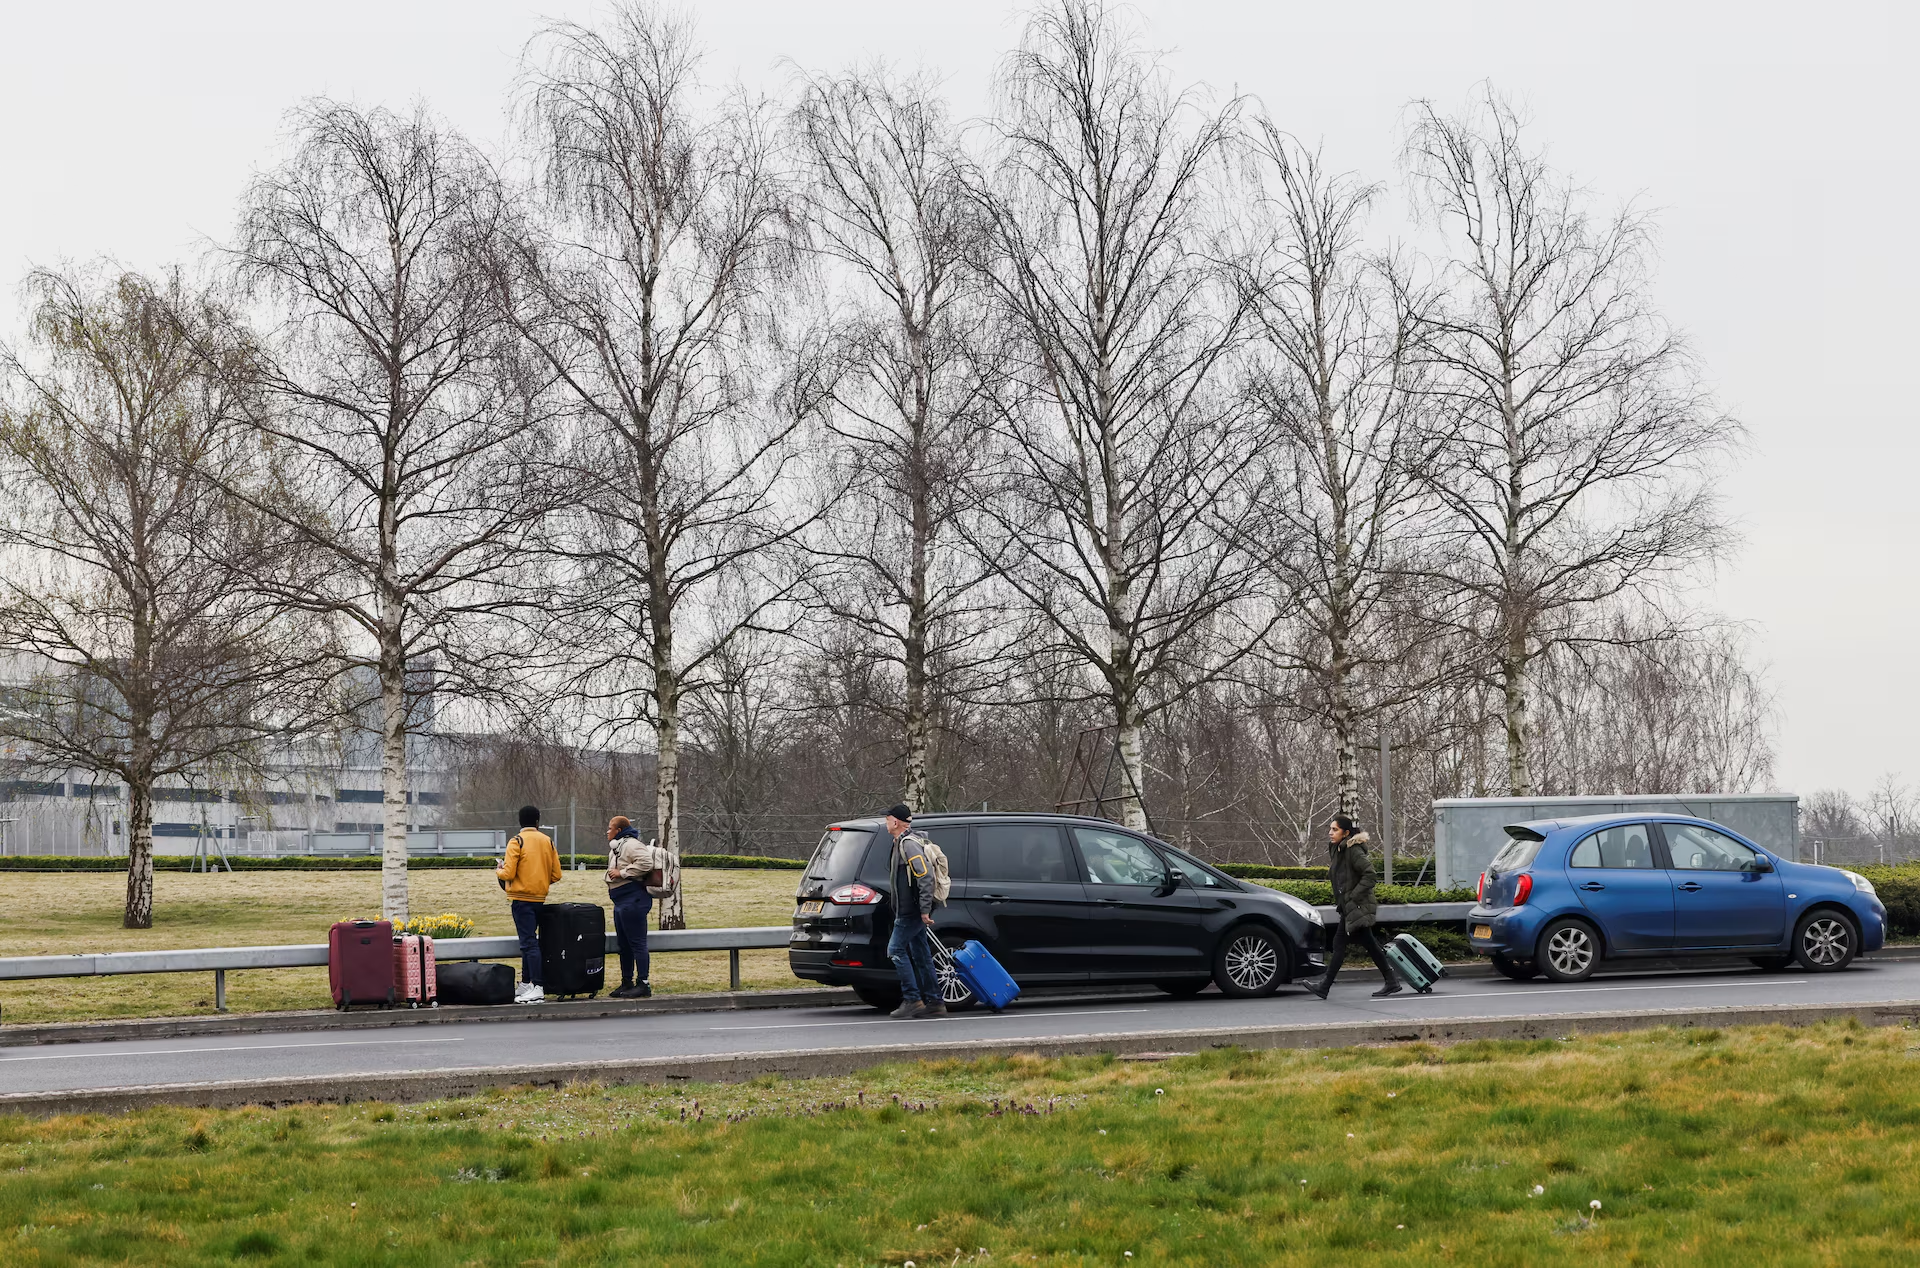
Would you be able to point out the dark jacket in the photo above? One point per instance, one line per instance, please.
(912, 878)
(1352, 874)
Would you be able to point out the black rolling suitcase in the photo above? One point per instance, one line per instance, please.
(475, 982)
(573, 949)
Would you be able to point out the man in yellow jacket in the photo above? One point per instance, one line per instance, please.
(531, 867)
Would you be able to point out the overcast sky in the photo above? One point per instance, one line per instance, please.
(1777, 142)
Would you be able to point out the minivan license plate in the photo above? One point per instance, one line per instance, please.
(813, 908)
(1483, 931)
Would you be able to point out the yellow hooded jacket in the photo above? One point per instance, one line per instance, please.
(531, 867)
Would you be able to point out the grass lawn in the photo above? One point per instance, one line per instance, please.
(65, 912)
(1703, 1147)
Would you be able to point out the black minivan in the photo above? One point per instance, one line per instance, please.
(1058, 900)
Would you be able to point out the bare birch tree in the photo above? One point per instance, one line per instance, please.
(1576, 425)
(1340, 444)
(133, 587)
(643, 286)
(888, 208)
(391, 393)
(1120, 522)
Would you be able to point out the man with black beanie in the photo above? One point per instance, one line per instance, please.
(909, 950)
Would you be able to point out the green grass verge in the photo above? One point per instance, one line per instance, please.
(1703, 1147)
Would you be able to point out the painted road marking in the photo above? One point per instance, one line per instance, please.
(251, 1047)
(907, 1021)
(1520, 990)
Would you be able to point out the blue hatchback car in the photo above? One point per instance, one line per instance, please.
(1565, 894)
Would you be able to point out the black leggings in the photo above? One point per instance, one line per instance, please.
(1366, 937)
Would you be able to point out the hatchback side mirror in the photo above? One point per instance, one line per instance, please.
(1761, 863)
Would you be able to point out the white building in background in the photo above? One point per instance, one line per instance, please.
(322, 797)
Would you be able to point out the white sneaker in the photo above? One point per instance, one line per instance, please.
(534, 995)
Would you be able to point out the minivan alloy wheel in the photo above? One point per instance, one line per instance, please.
(1251, 962)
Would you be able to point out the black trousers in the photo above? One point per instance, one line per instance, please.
(1337, 953)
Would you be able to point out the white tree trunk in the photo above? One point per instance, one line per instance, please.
(1133, 771)
(666, 812)
(1513, 674)
(393, 783)
(139, 911)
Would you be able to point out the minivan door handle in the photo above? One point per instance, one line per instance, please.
(995, 898)
(1690, 887)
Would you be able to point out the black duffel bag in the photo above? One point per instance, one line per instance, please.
(475, 982)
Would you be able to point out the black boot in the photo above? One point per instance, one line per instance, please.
(1319, 985)
(1391, 988)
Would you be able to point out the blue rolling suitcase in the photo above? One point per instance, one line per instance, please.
(984, 976)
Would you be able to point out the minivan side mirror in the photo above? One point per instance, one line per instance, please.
(1168, 883)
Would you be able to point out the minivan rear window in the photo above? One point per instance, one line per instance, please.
(836, 860)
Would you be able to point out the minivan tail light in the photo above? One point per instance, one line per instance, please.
(1522, 887)
(854, 896)
(1480, 889)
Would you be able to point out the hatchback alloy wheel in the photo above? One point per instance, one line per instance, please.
(1249, 962)
(1824, 942)
(1569, 952)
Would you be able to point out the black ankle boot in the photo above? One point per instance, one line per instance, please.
(1391, 988)
(1319, 985)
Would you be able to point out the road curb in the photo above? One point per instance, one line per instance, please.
(383, 1018)
(424, 1085)
(32, 1034)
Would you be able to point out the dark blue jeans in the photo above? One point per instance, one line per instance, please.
(912, 958)
(526, 923)
(631, 903)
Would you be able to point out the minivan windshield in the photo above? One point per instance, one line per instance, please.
(836, 860)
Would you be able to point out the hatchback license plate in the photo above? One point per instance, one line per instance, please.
(1483, 931)
(813, 908)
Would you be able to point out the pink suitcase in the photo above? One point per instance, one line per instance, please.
(360, 962)
(415, 983)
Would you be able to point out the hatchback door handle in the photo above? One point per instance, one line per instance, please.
(1593, 885)
(1689, 887)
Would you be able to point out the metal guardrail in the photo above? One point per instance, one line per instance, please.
(314, 954)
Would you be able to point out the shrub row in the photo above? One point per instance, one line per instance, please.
(1899, 889)
(1264, 872)
(1320, 893)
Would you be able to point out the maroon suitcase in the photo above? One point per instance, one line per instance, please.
(360, 963)
(415, 983)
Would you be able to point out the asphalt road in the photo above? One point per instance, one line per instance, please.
(270, 1055)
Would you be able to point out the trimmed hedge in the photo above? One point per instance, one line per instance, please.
(1320, 893)
(1899, 890)
(1264, 872)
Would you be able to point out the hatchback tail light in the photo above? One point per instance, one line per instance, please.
(1522, 887)
(854, 896)
(1480, 888)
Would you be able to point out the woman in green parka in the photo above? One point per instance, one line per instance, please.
(1352, 874)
